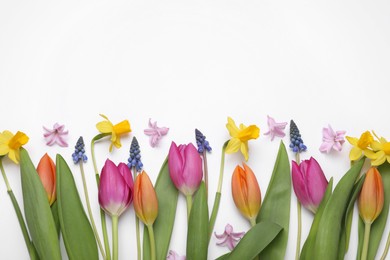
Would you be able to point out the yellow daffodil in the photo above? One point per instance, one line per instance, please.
(10, 144)
(381, 151)
(106, 127)
(360, 146)
(240, 137)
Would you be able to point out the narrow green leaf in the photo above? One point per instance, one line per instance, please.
(379, 224)
(308, 248)
(255, 240)
(37, 210)
(76, 230)
(276, 205)
(198, 226)
(329, 230)
(54, 212)
(167, 196)
(346, 228)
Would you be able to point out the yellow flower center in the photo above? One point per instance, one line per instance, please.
(365, 140)
(17, 141)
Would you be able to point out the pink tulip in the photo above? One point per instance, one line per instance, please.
(115, 188)
(185, 167)
(309, 183)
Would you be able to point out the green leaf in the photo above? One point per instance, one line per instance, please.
(276, 205)
(198, 226)
(167, 196)
(378, 226)
(37, 210)
(308, 248)
(346, 228)
(329, 230)
(76, 230)
(255, 241)
(54, 212)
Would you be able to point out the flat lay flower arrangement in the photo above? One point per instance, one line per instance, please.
(53, 206)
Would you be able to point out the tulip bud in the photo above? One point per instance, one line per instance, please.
(185, 168)
(115, 188)
(309, 183)
(145, 199)
(47, 173)
(246, 192)
(371, 196)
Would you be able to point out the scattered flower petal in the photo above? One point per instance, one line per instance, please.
(331, 139)
(155, 133)
(175, 256)
(229, 238)
(56, 135)
(275, 129)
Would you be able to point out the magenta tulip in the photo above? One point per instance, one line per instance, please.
(309, 183)
(185, 167)
(115, 188)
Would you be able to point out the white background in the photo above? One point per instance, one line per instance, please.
(190, 64)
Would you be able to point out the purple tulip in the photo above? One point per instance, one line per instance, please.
(185, 167)
(115, 188)
(309, 183)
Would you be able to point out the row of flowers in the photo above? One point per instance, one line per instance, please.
(186, 171)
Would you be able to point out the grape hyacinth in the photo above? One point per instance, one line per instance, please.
(201, 142)
(79, 152)
(135, 156)
(296, 144)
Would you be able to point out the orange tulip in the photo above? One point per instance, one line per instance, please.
(145, 199)
(47, 173)
(246, 192)
(371, 196)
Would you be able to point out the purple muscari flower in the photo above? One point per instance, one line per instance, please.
(115, 188)
(135, 156)
(296, 144)
(309, 183)
(229, 238)
(185, 167)
(155, 133)
(201, 142)
(79, 152)
(56, 135)
(175, 256)
(331, 139)
(275, 129)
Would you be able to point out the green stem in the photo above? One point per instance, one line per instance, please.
(19, 215)
(152, 242)
(189, 206)
(114, 237)
(367, 229)
(90, 211)
(253, 222)
(102, 213)
(206, 172)
(386, 248)
(299, 212)
(217, 198)
(137, 230)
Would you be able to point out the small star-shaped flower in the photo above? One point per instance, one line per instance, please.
(331, 139)
(155, 133)
(56, 135)
(229, 238)
(275, 129)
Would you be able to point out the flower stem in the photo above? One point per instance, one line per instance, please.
(299, 212)
(102, 214)
(114, 237)
(253, 222)
(152, 242)
(386, 248)
(189, 205)
(206, 172)
(367, 229)
(217, 198)
(22, 224)
(90, 211)
(137, 230)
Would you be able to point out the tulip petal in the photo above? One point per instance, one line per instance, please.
(192, 172)
(316, 182)
(175, 163)
(299, 185)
